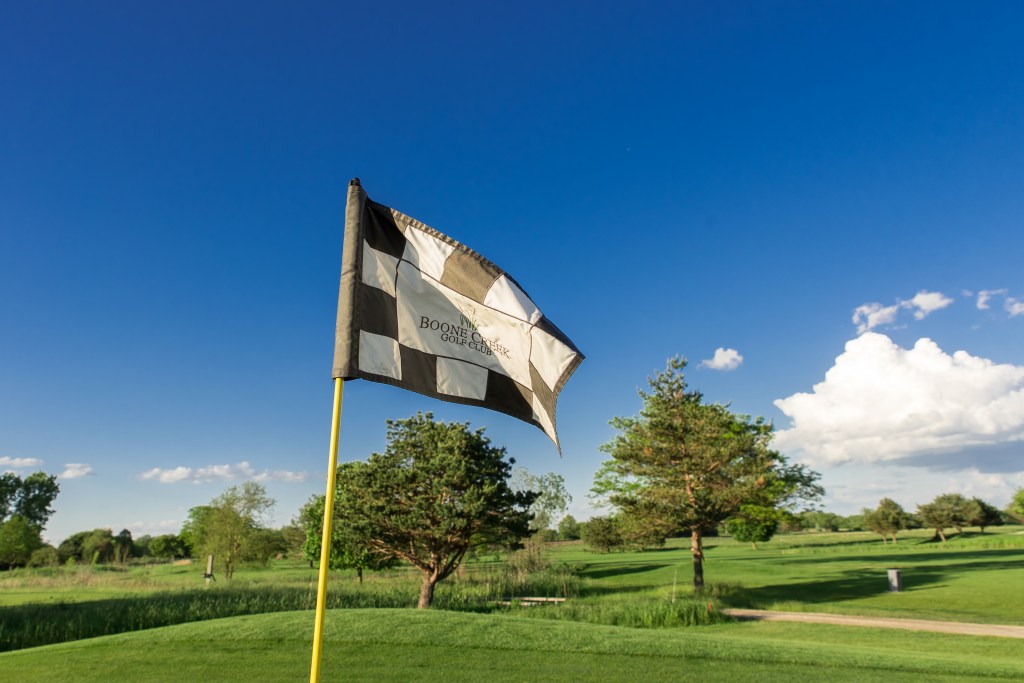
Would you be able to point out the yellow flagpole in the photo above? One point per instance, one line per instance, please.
(325, 544)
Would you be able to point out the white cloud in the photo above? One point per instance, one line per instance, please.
(167, 476)
(870, 316)
(237, 472)
(165, 526)
(880, 402)
(854, 487)
(985, 295)
(19, 463)
(1014, 306)
(724, 359)
(925, 303)
(74, 470)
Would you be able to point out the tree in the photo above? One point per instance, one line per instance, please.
(10, 486)
(1017, 503)
(71, 547)
(947, 510)
(888, 518)
(228, 528)
(569, 529)
(981, 514)
(124, 547)
(685, 465)
(19, 538)
(29, 498)
(349, 549)
(141, 545)
(603, 534)
(754, 524)
(819, 520)
(552, 498)
(169, 546)
(436, 492)
(98, 547)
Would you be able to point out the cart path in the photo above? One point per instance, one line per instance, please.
(962, 628)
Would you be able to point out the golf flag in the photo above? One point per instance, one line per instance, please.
(423, 312)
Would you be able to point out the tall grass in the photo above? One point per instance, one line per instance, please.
(640, 613)
(32, 624)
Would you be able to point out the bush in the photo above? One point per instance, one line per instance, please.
(43, 557)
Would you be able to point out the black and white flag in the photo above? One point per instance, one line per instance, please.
(423, 312)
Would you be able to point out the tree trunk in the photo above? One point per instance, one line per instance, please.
(697, 550)
(941, 535)
(894, 538)
(427, 590)
(359, 573)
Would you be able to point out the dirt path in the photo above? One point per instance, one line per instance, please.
(880, 622)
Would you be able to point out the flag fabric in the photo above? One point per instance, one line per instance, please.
(420, 311)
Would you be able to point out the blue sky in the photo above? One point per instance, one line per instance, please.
(813, 186)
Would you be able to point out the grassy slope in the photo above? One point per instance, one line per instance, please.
(381, 645)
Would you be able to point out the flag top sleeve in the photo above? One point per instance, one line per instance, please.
(421, 311)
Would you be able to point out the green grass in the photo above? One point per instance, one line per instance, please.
(973, 577)
(403, 645)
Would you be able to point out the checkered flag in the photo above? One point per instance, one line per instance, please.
(421, 311)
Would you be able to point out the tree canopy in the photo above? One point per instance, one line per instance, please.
(552, 496)
(229, 527)
(438, 490)
(947, 510)
(887, 519)
(29, 498)
(684, 465)
(349, 549)
(24, 511)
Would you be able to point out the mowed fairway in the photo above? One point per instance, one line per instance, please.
(974, 578)
(405, 645)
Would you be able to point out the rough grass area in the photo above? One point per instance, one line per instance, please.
(409, 645)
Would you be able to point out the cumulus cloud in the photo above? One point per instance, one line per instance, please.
(74, 470)
(881, 402)
(19, 463)
(238, 472)
(1014, 306)
(724, 359)
(869, 316)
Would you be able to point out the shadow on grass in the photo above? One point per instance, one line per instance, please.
(1004, 558)
(850, 585)
(608, 569)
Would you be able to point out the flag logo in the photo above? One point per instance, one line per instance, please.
(421, 311)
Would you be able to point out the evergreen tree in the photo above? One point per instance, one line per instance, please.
(685, 465)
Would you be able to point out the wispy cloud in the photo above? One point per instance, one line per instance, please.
(75, 470)
(926, 303)
(9, 463)
(241, 471)
(985, 295)
(724, 359)
(871, 315)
